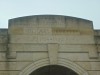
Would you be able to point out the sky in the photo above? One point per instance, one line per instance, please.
(86, 9)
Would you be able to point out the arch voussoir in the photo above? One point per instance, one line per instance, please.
(44, 62)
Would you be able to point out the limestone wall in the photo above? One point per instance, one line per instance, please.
(52, 37)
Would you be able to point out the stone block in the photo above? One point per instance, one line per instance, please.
(3, 39)
(90, 65)
(38, 55)
(86, 32)
(16, 31)
(93, 53)
(71, 48)
(15, 66)
(30, 31)
(52, 21)
(58, 22)
(3, 47)
(82, 57)
(24, 56)
(44, 31)
(66, 39)
(28, 47)
(3, 56)
(44, 22)
(85, 24)
(9, 72)
(92, 49)
(95, 65)
(65, 31)
(78, 48)
(86, 39)
(94, 72)
(53, 53)
(23, 39)
(52, 39)
(24, 22)
(98, 47)
(11, 55)
(71, 23)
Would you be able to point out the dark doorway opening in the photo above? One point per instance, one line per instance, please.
(53, 70)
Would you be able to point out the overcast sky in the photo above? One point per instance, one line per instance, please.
(87, 9)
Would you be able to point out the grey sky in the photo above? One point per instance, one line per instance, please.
(87, 9)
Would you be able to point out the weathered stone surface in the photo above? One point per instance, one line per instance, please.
(32, 42)
(9, 72)
(3, 39)
(78, 48)
(94, 72)
(13, 65)
(11, 55)
(53, 53)
(28, 47)
(38, 56)
(30, 31)
(90, 65)
(3, 47)
(77, 56)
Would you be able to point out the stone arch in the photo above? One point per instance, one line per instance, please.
(44, 62)
(53, 70)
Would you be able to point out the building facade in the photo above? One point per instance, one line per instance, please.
(49, 45)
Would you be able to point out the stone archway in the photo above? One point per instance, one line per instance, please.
(62, 62)
(53, 70)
